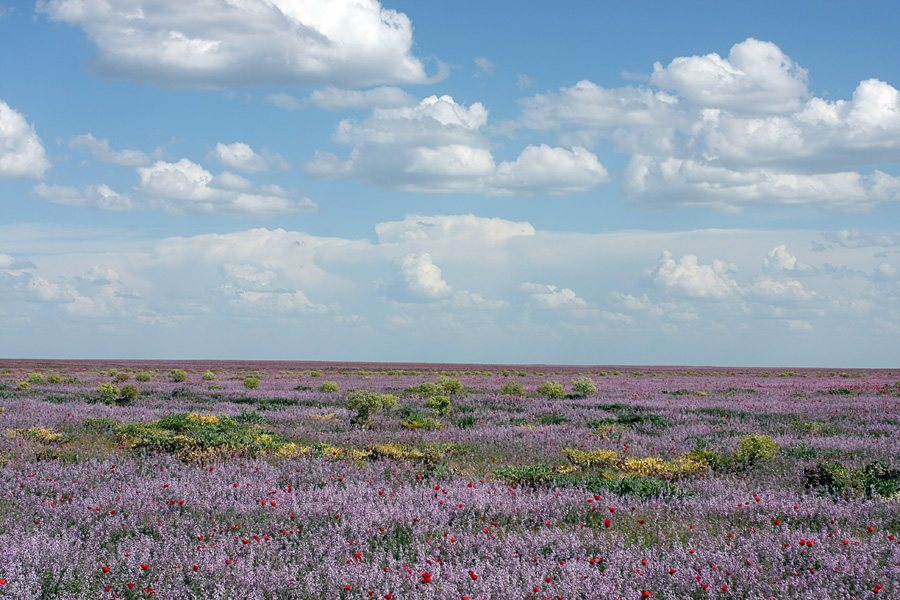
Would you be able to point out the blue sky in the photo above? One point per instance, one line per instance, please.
(692, 183)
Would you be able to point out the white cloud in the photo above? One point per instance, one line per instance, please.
(438, 146)
(334, 98)
(771, 290)
(485, 67)
(687, 277)
(730, 133)
(21, 151)
(100, 196)
(419, 278)
(523, 81)
(779, 260)
(186, 187)
(101, 150)
(756, 78)
(241, 157)
(551, 297)
(458, 229)
(253, 42)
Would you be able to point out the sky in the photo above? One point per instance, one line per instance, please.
(636, 183)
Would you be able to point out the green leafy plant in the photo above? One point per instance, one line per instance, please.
(551, 389)
(584, 387)
(208, 376)
(366, 403)
(143, 376)
(513, 388)
(449, 385)
(328, 387)
(108, 392)
(129, 393)
(439, 405)
(178, 375)
(755, 447)
(251, 382)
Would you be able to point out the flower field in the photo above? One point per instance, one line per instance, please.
(272, 480)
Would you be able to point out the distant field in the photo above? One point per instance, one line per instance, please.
(265, 480)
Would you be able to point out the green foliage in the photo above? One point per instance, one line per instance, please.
(552, 389)
(423, 423)
(178, 375)
(36, 377)
(755, 447)
(642, 419)
(143, 376)
(513, 388)
(466, 421)
(427, 388)
(251, 382)
(108, 392)
(366, 403)
(551, 419)
(528, 475)
(584, 387)
(122, 377)
(439, 405)
(450, 385)
(129, 392)
(637, 487)
(328, 387)
(54, 378)
(208, 376)
(872, 480)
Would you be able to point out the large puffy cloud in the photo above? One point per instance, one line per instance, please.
(419, 278)
(459, 229)
(757, 77)
(689, 278)
(186, 187)
(21, 151)
(217, 43)
(438, 146)
(735, 132)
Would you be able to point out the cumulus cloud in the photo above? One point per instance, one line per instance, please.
(730, 133)
(552, 297)
(21, 151)
(687, 277)
(256, 42)
(757, 77)
(778, 260)
(241, 157)
(100, 149)
(771, 290)
(419, 279)
(438, 146)
(186, 187)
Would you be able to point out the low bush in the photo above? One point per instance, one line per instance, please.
(584, 387)
(439, 405)
(251, 382)
(329, 387)
(513, 388)
(551, 389)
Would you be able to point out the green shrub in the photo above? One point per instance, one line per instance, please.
(752, 448)
(108, 392)
(328, 387)
(129, 392)
(122, 377)
(872, 480)
(530, 475)
(439, 405)
(428, 389)
(513, 388)
(36, 377)
(584, 387)
(143, 376)
(208, 376)
(466, 421)
(450, 385)
(54, 378)
(251, 382)
(552, 389)
(366, 403)
(423, 423)
(178, 375)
